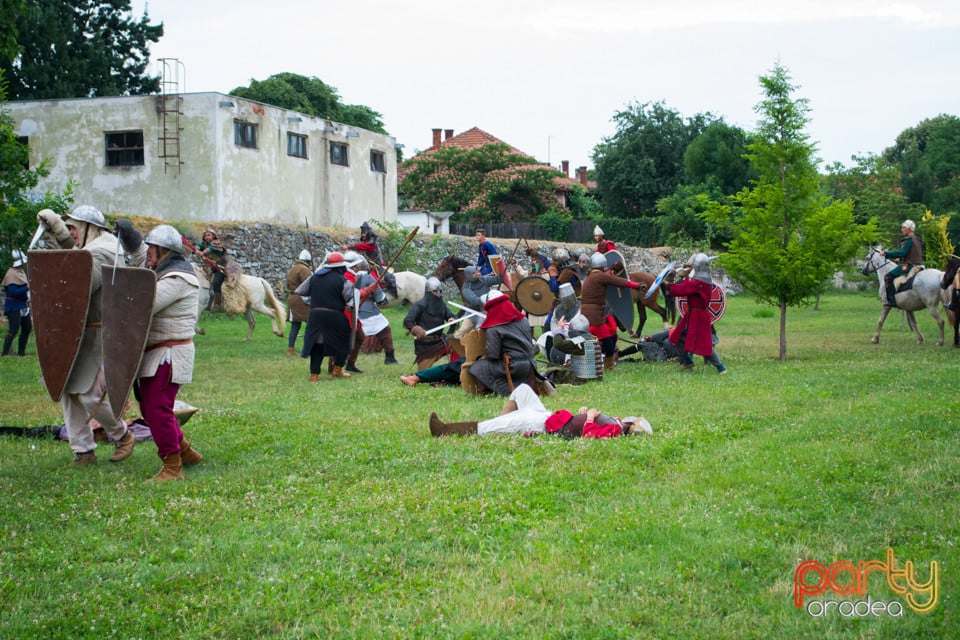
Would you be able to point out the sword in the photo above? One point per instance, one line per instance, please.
(116, 258)
(482, 316)
(446, 324)
(36, 236)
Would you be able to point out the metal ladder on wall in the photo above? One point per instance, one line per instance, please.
(169, 111)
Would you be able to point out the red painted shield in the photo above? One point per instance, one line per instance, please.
(716, 306)
(59, 299)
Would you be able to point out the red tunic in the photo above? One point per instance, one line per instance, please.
(696, 321)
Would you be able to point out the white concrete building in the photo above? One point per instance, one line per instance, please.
(210, 157)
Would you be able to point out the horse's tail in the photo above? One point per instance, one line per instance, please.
(278, 311)
(670, 302)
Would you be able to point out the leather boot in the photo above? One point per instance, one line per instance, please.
(338, 372)
(314, 377)
(84, 457)
(954, 304)
(188, 455)
(291, 351)
(217, 301)
(124, 447)
(352, 366)
(438, 428)
(172, 468)
(390, 358)
(891, 293)
(609, 362)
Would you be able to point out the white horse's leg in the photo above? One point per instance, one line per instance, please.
(260, 307)
(883, 316)
(912, 323)
(251, 323)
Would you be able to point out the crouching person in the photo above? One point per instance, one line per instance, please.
(168, 355)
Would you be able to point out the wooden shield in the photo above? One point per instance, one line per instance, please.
(717, 304)
(59, 299)
(620, 302)
(500, 268)
(534, 296)
(616, 263)
(128, 295)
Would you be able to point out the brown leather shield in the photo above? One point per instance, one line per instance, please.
(616, 263)
(620, 302)
(59, 299)
(534, 296)
(128, 294)
(474, 344)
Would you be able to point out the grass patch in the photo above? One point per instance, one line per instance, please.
(326, 510)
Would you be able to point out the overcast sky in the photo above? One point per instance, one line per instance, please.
(547, 76)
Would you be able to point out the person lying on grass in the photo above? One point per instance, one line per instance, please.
(525, 414)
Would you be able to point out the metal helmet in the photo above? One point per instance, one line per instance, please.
(561, 255)
(19, 258)
(701, 267)
(433, 284)
(164, 235)
(597, 231)
(598, 261)
(365, 226)
(352, 258)
(580, 323)
(305, 256)
(568, 297)
(88, 214)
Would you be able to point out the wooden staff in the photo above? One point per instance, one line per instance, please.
(410, 237)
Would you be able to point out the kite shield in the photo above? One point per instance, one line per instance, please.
(656, 283)
(59, 299)
(620, 302)
(128, 296)
(616, 264)
(534, 296)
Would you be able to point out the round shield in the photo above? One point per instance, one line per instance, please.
(534, 296)
(616, 263)
(656, 283)
(716, 305)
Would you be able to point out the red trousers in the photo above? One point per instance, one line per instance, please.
(156, 395)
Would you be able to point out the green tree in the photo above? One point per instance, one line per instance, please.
(790, 237)
(718, 156)
(643, 161)
(311, 96)
(452, 179)
(80, 49)
(11, 10)
(873, 185)
(18, 207)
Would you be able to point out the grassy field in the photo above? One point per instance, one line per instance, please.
(326, 510)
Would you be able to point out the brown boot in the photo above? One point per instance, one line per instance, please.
(188, 455)
(124, 447)
(217, 302)
(291, 351)
(314, 377)
(85, 457)
(172, 468)
(338, 372)
(438, 428)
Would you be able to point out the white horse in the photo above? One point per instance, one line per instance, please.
(925, 292)
(410, 288)
(249, 294)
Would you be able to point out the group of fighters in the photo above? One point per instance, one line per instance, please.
(70, 285)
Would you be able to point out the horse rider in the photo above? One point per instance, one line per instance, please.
(368, 245)
(603, 245)
(85, 229)
(909, 257)
(213, 249)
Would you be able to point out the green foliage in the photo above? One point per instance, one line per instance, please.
(556, 224)
(789, 238)
(311, 96)
(18, 207)
(11, 10)
(928, 156)
(873, 186)
(717, 157)
(644, 160)
(636, 232)
(937, 247)
(79, 49)
(486, 184)
(582, 205)
(682, 221)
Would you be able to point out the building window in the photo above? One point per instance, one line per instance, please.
(377, 162)
(338, 153)
(244, 134)
(296, 145)
(25, 141)
(124, 148)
